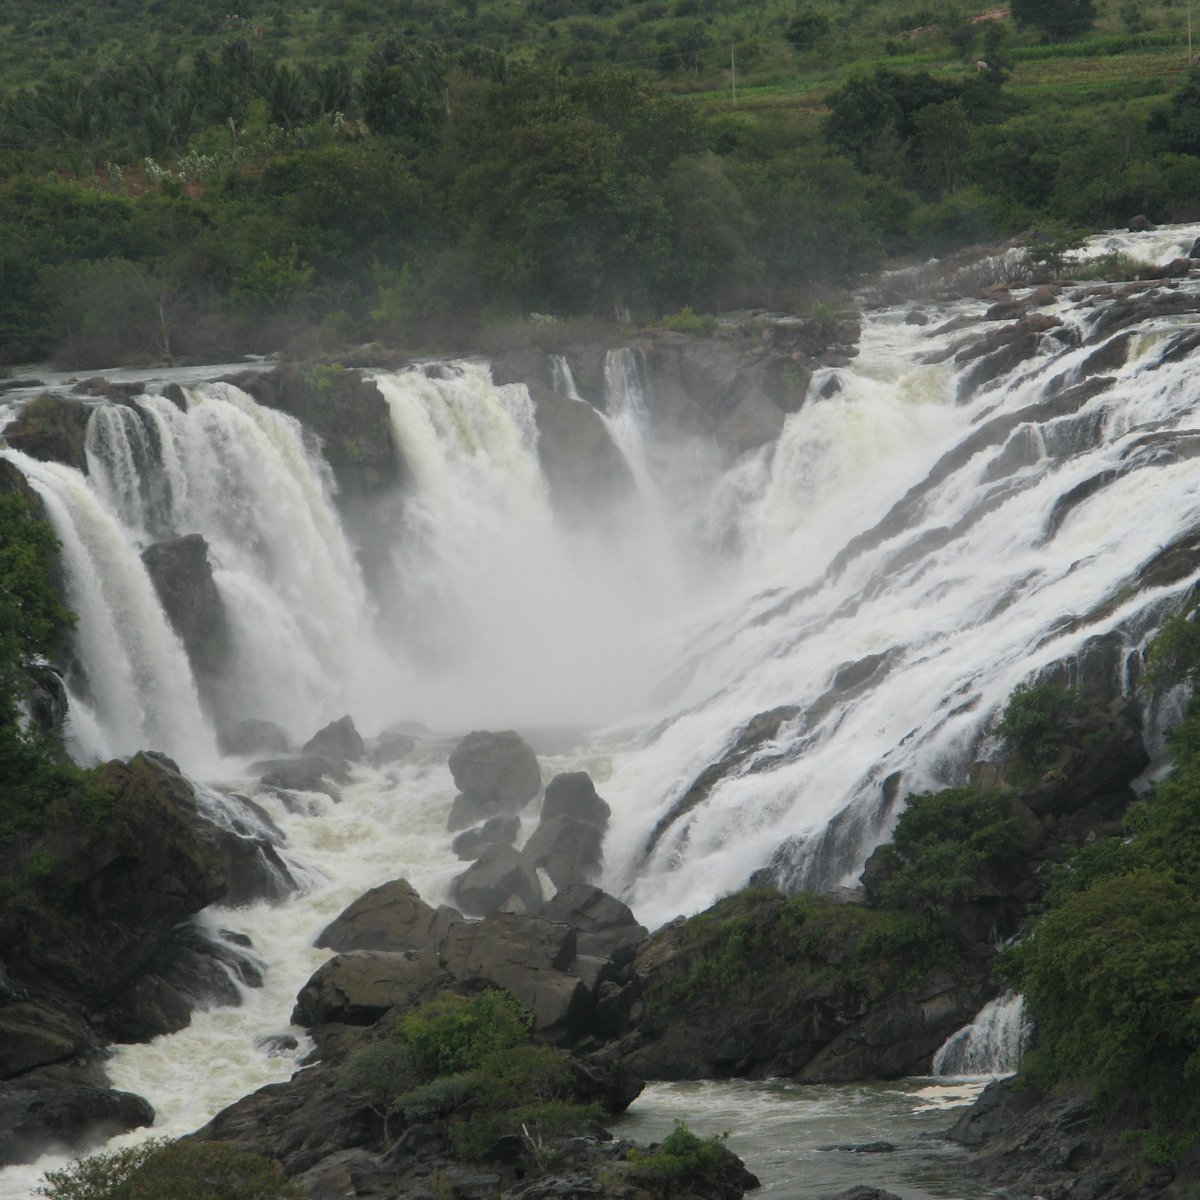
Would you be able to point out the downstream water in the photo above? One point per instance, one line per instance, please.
(634, 647)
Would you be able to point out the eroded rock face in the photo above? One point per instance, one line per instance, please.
(131, 879)
(183, 579)
(585, 470)
(348, 414)
(605, 928)
(58, 1107)
(52, 428)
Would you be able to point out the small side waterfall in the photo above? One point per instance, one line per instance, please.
(991, 1045)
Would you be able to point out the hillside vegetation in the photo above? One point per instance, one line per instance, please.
(178, 181)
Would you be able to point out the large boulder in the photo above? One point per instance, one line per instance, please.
(182, 577)
(584, 468)
(499, 771)
(573, 794)
(52, 428)
(338, 741)
(527, 956)
(36, 1032)
(389, 917)
(569, 851)
(358, 987)
(605, 927)
(119, 885)
(499, 879)
(58, 1107)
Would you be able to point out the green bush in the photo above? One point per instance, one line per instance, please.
(942, 843)
(454, 1033)
(676, 1164)
(1032, 725)
(161, 1169)
(1112, 976)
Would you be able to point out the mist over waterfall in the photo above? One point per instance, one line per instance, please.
(877, 579)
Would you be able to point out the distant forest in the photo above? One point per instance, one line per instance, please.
(178, 181)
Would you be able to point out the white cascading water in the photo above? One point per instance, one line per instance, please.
(991, 1045)
(718, 596)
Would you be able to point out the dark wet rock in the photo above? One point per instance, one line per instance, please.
(338, 741)
(499, 879)
(916, 316)
(389, 917)
(347, 413)
(569, 851)
(183, 580)
(498, 771)
(254, 736)
(527, 956)
(46, 696)
(36, 1032)
(392, 747)
(501, 829)
(807, 1014)
(865, 1193)
(131, 880)
(735, 390)
(13, 385)
(358, 987)
(605, 927)
(466, 811)
(190, 970)
(1058, 1145)
(52, 428)
(1141, 224)
(583, 466)
(40, 1113)
(1177, 268)
(573, 794)
(276, 1045)
(300, 775)
(300, 1122)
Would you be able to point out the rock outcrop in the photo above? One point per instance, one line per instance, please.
(345, 411)
(338, 741)
(52, 428)
(182, 576)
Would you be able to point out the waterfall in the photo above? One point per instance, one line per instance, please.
(139, 685)
(880, 579)
(991, 1045)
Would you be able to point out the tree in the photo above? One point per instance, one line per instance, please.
(806, 29)
(185, 1170)
(1057, 19)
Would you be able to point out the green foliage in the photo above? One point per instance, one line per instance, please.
(1173, 656)
(380, 1072)
(453, 1033)
(681, 1159)
(33, 626)
(687, 321)
(1056, 18)
(1112, 976)
(1032, 726)
(942, 845)
(185, 1170)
